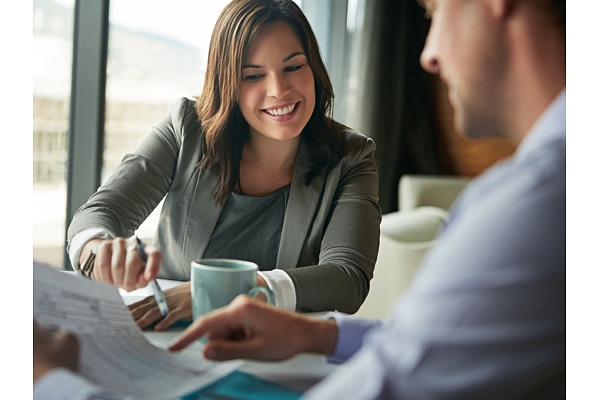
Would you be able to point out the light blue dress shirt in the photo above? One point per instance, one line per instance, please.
(486, 314)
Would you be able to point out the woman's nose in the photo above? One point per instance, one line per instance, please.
(278, 86)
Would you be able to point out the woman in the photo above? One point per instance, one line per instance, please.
(253, 169)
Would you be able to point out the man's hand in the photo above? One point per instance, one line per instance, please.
(179, 300)
(53, 349)
(252, 329)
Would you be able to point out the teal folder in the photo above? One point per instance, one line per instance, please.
(183, 323)
(241, 386)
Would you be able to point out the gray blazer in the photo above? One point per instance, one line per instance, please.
(330, 235)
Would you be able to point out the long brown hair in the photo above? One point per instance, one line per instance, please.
(225, 129)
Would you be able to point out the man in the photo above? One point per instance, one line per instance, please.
(485, 316)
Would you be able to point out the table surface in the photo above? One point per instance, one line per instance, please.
(299, 373)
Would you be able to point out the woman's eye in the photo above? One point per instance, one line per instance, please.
(252, 77)
(293, 68)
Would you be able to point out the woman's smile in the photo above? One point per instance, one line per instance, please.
(282, 113)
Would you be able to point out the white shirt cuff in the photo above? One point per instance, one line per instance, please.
(81, 238)
(282, 287)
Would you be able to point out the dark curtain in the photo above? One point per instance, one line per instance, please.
(397, 104)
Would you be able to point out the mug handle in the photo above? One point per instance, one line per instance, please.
(264, 290)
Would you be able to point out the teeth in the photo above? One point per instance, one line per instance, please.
(281, 111)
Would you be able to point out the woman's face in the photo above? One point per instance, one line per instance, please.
(277, 93)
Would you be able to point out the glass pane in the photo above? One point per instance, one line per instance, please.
(52, 61)
(156, 54)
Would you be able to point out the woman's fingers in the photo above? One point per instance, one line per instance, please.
(139, 308)
(154, 259)
(147, 319)
(146, 312)
(117, 261)
(170, 319)
(179, 300)
(102, 264)
(133, 266)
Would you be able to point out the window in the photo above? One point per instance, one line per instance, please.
(52, 61)
(157, 53)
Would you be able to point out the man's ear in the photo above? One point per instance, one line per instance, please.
(503, 8)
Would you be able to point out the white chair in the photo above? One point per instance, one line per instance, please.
(429, 190)
(406, 236)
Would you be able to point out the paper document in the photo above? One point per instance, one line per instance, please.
(113, 351)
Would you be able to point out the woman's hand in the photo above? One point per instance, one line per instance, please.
(118, 262)
(179, 301)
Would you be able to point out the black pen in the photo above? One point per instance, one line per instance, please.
(158, 294)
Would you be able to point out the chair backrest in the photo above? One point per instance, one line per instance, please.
(419, 225)
(429, 190)
(405, 238)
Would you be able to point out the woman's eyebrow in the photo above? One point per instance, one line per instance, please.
(295, 54)
(298, 53)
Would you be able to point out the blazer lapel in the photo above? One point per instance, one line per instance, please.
(300, 210)
(201, 220)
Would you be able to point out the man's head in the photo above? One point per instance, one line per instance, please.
(488, 52)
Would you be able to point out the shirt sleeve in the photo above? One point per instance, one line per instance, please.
(81, 238)
(62, 384)
(351, 331)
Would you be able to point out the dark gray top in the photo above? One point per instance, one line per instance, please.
(249, 228)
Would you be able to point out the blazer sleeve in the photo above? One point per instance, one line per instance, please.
(350, 238)
(139, 182)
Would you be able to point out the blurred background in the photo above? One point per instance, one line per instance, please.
(124, 62)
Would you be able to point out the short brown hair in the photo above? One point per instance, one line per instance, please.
(225, 129)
